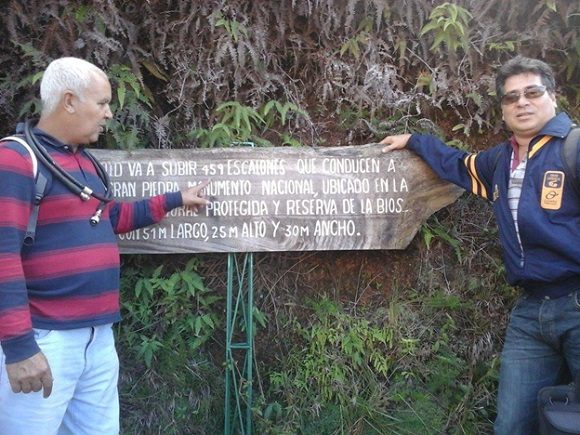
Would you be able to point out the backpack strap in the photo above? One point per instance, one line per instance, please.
(40, 183)
(27, 147)
(570, 151)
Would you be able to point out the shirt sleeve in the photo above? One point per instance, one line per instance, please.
(128, 216)
(471, 171)
(16, 193)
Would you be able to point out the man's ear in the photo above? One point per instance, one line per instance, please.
(69, 102)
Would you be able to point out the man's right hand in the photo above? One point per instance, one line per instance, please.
(193, 199)
(395, 142)
(32, 374)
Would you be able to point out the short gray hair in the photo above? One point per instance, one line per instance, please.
(66, 73)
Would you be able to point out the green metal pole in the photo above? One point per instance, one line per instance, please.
(229, 359)
(239, 374)
(239, 385)
(250, 341)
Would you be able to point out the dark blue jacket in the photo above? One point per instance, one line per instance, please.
(548, 213)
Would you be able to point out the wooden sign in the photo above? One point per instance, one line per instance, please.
(280, 199)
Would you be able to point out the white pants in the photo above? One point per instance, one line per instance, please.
(84, 398)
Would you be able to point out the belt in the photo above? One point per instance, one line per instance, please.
(551, 290)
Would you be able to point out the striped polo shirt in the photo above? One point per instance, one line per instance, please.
(69, 277)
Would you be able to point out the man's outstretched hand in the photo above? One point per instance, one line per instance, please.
(395, 142)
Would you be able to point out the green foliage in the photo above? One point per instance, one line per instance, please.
(31, 107)
(441, 347)
(503, 46)
(433, 229)
(456, 143)
(80, 13)
(433, 397)
(551, 4)
(450, 24)
(463, 128)
(352, 45)
(236, 123)
(334, 57)
(422, 382)
(173, 401)
(344, 359)
(443, 301)
(287, 139)
(572, 61)
(274, 112)
(234, 28)
(168, 316)
(127, 129)
(240, 123)
(169, 312)
(425, 81)
(127, 87)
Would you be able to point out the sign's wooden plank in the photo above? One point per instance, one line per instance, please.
(281, 199)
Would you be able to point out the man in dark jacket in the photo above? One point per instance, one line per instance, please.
(538, 215)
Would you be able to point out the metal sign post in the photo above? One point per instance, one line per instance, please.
(239, 344)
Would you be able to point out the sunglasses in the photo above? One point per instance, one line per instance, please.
(531, 92)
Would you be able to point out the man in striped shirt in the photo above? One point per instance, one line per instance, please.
(538, 213)
(59, 296)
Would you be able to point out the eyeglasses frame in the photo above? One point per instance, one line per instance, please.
(528, 92)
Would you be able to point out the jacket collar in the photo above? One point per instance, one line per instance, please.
(558, 126)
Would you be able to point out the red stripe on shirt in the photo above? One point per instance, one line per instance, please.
(125, 222)
(10, 267)
(86, 164)
(17, 321)
(74, 163)
(158, 209)
(13, 161)
(71, 308)
(65, 262)
(18, 213)
(65, 207)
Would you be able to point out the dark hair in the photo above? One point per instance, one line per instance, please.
(523, 65)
